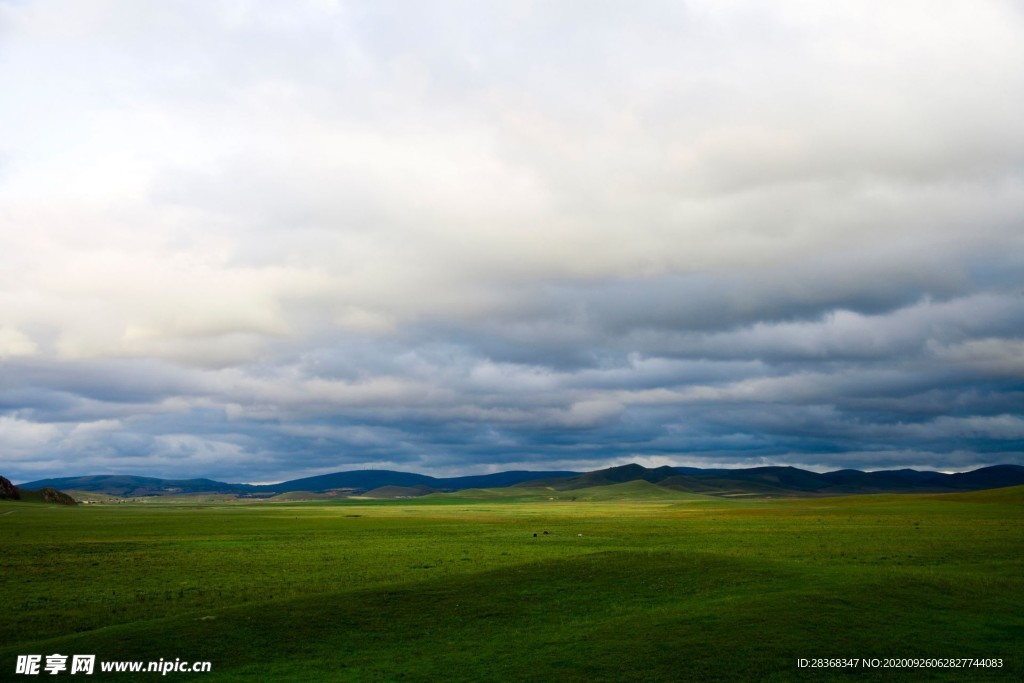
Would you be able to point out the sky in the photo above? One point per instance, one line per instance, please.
(255, 241)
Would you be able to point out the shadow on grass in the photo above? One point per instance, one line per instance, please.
(615, 616)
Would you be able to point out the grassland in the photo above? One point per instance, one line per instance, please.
(629, 583)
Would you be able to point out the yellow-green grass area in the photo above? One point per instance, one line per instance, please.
(628, 584)
(93, 497)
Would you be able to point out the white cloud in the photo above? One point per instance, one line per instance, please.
(23, 439)
(13, 342)
(993, 357)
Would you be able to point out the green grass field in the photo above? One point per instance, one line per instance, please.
(629, 584)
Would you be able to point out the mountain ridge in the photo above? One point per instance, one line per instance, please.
(764, 480)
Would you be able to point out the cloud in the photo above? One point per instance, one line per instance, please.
(252, 241)
(14, 343)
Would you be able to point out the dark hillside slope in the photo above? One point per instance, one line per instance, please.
(359, 480)
(47, 494)
(605, 477)
(996, 476)
(496, 480)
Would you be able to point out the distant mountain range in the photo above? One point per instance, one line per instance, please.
(789, 481)
(756, 481)
(356, 481)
